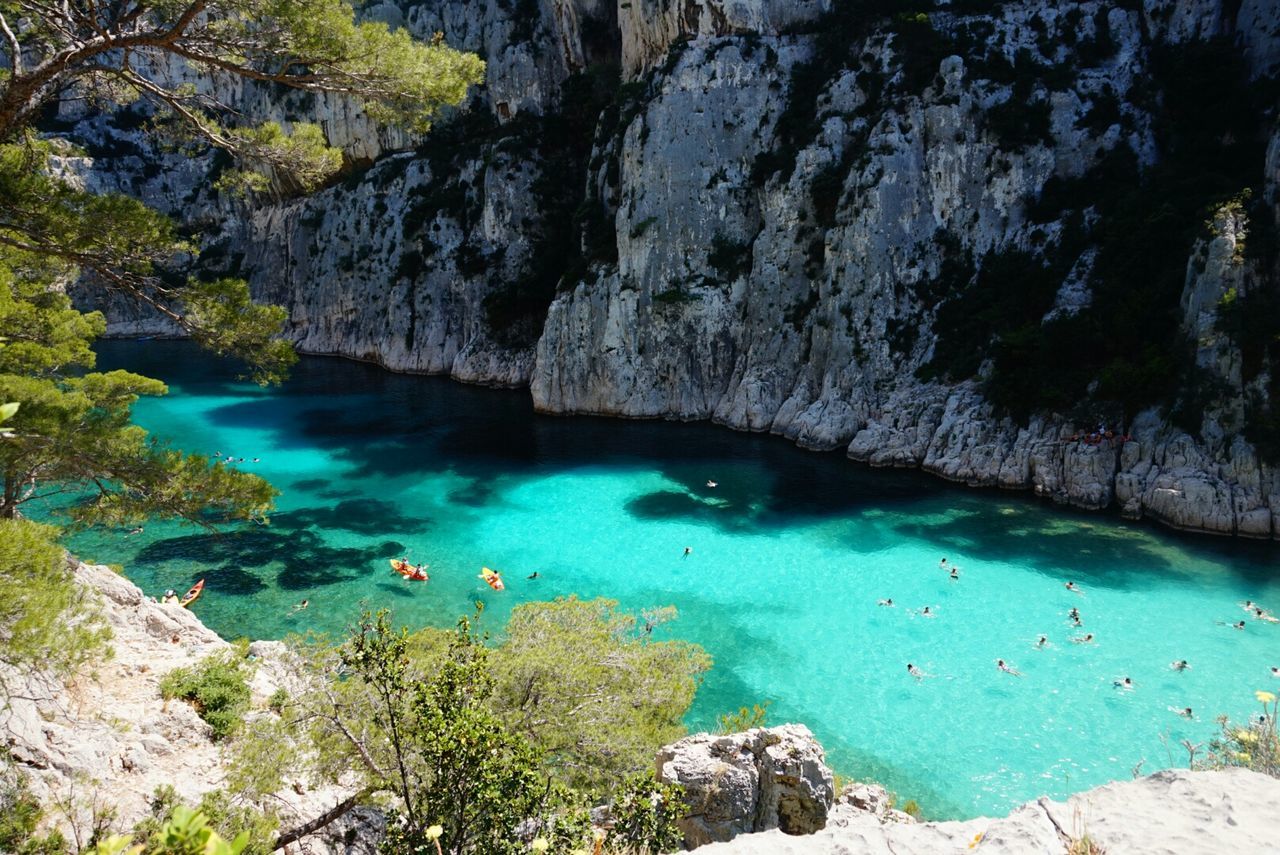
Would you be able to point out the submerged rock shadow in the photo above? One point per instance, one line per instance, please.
(300, 558)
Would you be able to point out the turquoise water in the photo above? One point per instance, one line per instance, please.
(791, 553)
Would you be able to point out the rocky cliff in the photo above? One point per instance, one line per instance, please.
(951, 238)
(95, 748)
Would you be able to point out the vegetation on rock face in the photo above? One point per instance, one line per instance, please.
(48, 623)
(493, 745)
(1254, 744)
(217, 686)
(1124, 351)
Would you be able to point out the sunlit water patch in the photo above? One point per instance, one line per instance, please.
(791, 552)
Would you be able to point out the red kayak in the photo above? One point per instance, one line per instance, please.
(409, 571)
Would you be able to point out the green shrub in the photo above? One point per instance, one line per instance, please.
(218, 688)
(20, 815)
(645, 813)
(730, 258)
(1254, 745)
(744, 719)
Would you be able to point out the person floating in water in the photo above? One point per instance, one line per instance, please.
(134, 531)
(1126, 683)
(1180, 665)
(915, 672)
(688, 550)
(533, 575)
(257, 459)
(1185, 712)
(955, 573)
(1239, 625)
(888, 602)
(713, 484)
(942, 564)
(300, 606)
(1071, 586)
(1248, 605)
(1263, 614)
(1042, 641)
(1275, 671)
(927, 612)
(1087, 638)
(1000, 663)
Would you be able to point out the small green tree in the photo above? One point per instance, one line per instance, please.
(49, 624)
(586, 685)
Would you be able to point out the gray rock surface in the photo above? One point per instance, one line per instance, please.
(1169, 813)
(752, 781)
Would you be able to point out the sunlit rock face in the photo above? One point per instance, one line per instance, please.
(714, 232)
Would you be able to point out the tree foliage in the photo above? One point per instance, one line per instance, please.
(176, 57)
(48, 623)
(587, 685)
(72, 433)
(428, 721)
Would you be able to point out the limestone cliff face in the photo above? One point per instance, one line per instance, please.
(731, 236)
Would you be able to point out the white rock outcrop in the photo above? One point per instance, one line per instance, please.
(752, 781)
(1168, 813)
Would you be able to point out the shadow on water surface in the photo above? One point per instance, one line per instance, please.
(300, 557)
(369, 517)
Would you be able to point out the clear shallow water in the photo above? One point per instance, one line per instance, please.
(790, 555)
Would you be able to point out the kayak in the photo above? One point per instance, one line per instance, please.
(191, 596)
(407, 570)
(492, 578)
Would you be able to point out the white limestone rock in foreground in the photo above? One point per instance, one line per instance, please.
(1174, 812)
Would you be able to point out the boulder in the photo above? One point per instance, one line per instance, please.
(762, 779)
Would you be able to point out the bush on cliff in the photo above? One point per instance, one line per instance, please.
(491, 744)
(217, 687)
(48, 623)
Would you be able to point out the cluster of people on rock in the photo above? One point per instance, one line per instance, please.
(1101, 434)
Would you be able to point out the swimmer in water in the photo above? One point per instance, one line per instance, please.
(1000, 663)
(1126, 683)
(1087, 638)
(713, 484)
(257, 459)
(942, 564)
(1071, 586)
(533, 575)
(299, 607)
(1275, 672)
(1248, 605)
(1239, 625)
(1262, 614)
(927, 612)
(1180, 665)
(1042, 641)
(1185, 712)
(888, 602)
(915, 672)
(955, 573)
(688, 550)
